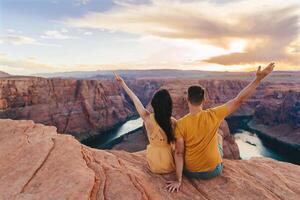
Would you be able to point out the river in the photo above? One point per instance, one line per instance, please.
(108, 139)
(253, 143)
(250, 145)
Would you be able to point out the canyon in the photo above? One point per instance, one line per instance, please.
(81, 108)
(44, 120)
(38, 163)
(88, 107)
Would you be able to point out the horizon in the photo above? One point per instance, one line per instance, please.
(39, 37)
(76, 73)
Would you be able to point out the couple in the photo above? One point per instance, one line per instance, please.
(190, 145)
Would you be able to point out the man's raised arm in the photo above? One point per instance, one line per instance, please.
(235, 103)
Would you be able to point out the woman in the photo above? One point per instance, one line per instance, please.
(159, 126)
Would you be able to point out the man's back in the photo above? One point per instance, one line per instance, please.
(196, 133)
(199, 132)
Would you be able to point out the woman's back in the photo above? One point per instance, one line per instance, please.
(159, 151)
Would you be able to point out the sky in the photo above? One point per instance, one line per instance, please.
(40, 36)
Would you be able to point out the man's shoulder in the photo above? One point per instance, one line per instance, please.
(183, 119)
(217, 110)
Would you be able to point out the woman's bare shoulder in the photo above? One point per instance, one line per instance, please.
(174, 120)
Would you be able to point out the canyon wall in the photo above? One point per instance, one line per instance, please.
(38, 163)
(280, 118)
(78, 107)
(144, 88)
(88, 107)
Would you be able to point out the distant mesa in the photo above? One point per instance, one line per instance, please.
(4, 74)
(167, 74)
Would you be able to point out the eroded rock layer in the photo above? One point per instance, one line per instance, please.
(89, 107)
(78, 107)
(38, 163)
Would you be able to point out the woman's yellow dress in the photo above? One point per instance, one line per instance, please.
(159, 152)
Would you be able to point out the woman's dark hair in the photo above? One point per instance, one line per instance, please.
(162, 106)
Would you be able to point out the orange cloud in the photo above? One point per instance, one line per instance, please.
(268, 29)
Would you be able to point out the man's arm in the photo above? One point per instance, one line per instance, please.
(173, 186)
(235, 103)
(143, 112)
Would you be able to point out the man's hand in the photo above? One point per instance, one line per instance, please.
(235, 103)
(261, 74)
(173, 186)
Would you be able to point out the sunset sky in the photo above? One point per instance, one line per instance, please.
(39, 36)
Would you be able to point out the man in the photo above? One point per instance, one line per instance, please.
(198, 146)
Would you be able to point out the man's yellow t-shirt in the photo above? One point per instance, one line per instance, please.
(199, 132)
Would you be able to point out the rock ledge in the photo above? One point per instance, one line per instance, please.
(38, 163)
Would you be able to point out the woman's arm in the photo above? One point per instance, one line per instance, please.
(143, 112)
(173, 186)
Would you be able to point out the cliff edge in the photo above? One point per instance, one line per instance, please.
(38, 163)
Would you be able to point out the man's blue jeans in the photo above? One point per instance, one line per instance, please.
(206, 175)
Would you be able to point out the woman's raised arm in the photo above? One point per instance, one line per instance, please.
(143, 112)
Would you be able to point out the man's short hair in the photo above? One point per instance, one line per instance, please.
(196, 95)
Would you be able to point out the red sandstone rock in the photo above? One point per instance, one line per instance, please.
(280, 118)
(78, 107)
(87, 107)
(38, 163)
(230, 148)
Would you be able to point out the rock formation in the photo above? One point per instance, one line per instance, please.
(280, 117)
(4, 74)
(78, 107)
(133, 142)
(38, 163)
(89, 107)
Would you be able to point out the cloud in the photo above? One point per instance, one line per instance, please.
(32, 65)
(56, 34)
(295, 48)
(17, 39)
(129, 2)
(29, 63)
(81, 2)
(22, 40)
(88, 33)
(269, 27)
(10, 30)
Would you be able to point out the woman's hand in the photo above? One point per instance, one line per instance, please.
(173, 186)
(119, 79)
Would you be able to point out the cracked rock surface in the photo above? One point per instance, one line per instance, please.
(38, 163)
